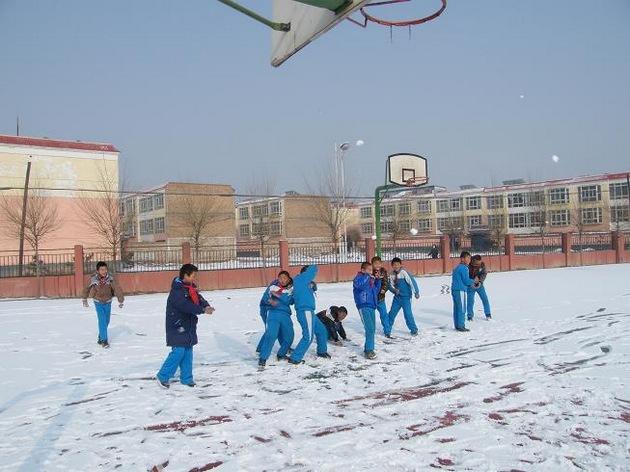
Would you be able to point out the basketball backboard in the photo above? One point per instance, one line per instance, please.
(407, 169)
(307, 23)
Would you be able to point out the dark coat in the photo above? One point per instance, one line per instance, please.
(383, 276)
(181, 316)
(333, 326)
(478, 271)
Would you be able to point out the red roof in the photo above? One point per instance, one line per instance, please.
(56, 143)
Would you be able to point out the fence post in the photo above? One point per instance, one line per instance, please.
(283, 251)
(78, 270)
(566, 248)
(445, 251)
(186, 254)
(370, 249)
(618, 244)
(509, 249)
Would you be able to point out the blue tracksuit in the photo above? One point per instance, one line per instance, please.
(461, 281)
(103, 314)
(481, 273)
(365, 289)
(181, 331)
(264, 309)
(304, 295)
(403, 286)
(279, 324)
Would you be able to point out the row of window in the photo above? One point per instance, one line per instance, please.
(152, 226)
(273, 228)
(260, 210)
(152, 202)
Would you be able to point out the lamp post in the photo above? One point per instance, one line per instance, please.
(340, 184)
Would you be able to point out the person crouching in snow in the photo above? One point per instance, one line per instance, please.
(183, 305)
(284, 279)
(477, 269)
(332, 319)
(365, 288)
(279, 324)
(102, 288)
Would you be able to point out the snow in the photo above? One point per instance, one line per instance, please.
(543, 386)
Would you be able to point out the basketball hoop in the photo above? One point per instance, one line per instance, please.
(416, 181)
(394, 23)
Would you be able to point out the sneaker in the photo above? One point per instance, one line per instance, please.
(388, 335)
(470, 318)
(462, 330)
(105, 344)
(164, 385)
(488, 317)
(325, 355)
(99, 342)
(191, 384)
(370, 355)
(262, 363)
(282, 358)
(291, 361)
(414, 333)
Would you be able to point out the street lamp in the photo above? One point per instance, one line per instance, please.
(340, 152)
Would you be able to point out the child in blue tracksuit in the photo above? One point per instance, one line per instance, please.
(477, 269)
(365, 288)
(403, 286)
(381, 273)
(460, 284)
(183, 306)
(283, 279)
(279, 324)
(304, 295)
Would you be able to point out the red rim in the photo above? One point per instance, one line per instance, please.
(414, 22)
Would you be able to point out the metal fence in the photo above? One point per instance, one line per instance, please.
(549, 243)
(412, 249)
(46, 263)
(137, 259)
(483, 247)
(236, 257)
(591, 242)
(325, 253)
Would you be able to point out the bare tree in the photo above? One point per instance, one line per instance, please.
(577, 220)
(42, 219)
(539, 217)
(197, 215)
(263, 188)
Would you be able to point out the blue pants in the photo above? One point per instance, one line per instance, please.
(263, 316)
(181, 357)
(470, 306)
(278, 325)
(368, 318)
(311, 327)
(459, 308)
(385, 321)
(103, 313)
(405, 304)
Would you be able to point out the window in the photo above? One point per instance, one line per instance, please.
(450, 224)
(537, 219)
(243, 230)
(146, 227)
(404, 226)
(130, 206)
(424, 206)
(387, 210)
(442, 206)
(591, 216)
(129, 229)
(158, 201)
(517, 200)
(474, 221)
(260, 210)
(424, 225)
(159, 225)
(518, 220)
(496, 221)
(387, 227)
(494, 202)
(404, 209)
(366, 212)
(275, 228)
(590, 193)
(275, 208)
(619, 214)
(537, 198)
(456, 204)
(558, 196)
(473, 203)
(243, 213)
(367, 228)
(260, 229)
(146, 204)
(559, 217)
(618, 190)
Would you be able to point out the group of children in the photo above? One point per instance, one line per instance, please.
(370, 286)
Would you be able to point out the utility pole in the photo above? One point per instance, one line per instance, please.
(24, 202)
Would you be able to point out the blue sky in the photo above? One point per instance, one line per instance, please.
(186, 92)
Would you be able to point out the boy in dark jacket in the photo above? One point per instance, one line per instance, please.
(477, 269)
(381, 273)
(102, 288)
(365, 288)
(183, 306)
(460, 283)
(332, 319)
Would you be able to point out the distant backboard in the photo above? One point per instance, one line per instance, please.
(407, 169)
(307, 24)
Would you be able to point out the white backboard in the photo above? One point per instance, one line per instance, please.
(404, 166)
(307, 24)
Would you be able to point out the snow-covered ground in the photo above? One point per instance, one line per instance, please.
(543, 386)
